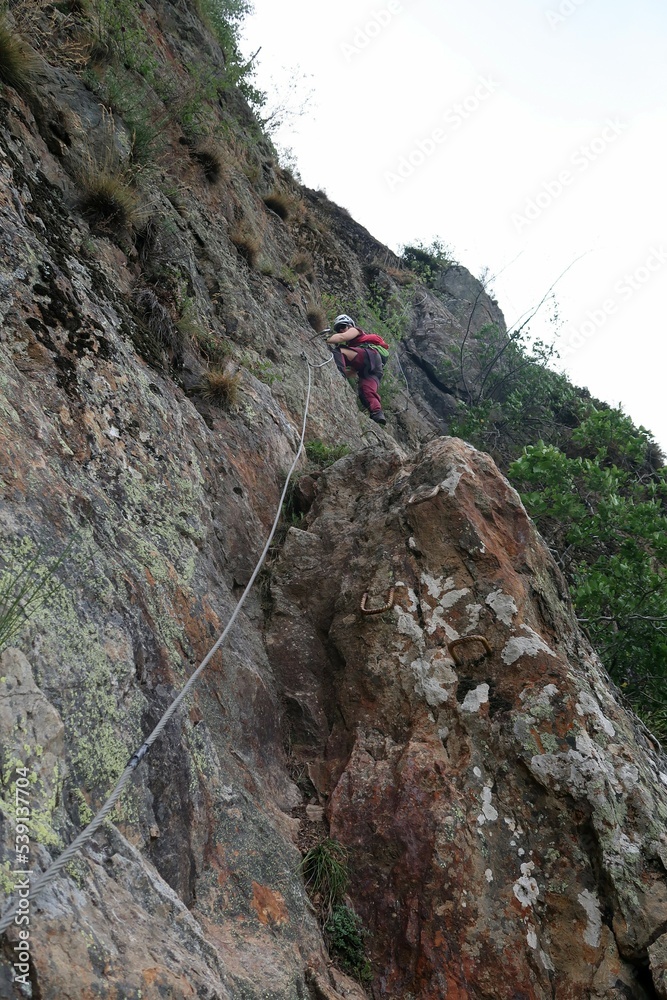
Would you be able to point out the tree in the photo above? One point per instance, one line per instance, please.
(600, 503)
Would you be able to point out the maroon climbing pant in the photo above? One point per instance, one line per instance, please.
(368, 384)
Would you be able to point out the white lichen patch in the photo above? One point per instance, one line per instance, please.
(434, 678)
(628, 775)
(591, 904)
(436, 586)
(474, 700)
(477, 772)
(587, 705)
(412, 598)
(473, 611)
(531, 938)
(406, 625)
(585, 771)
(489, 812)
(529, 645)
(503, 606)
(449, 484)
(488, 875)
(526, 888)
(437, 620)
(546, 961)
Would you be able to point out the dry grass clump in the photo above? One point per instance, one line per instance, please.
(280, 203)
(107, 201)
(210, 162)
(157, 320)
(302, 263)
(17, 63)
(247, 242)
(316, 316)
(221, 387)
(402, 276)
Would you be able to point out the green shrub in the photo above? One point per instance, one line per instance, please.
(600, 506)
(323, 455)
(345, 936)
(428, 261)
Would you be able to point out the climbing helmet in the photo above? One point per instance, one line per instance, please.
(341, 322)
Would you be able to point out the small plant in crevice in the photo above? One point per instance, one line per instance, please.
(345, 936)
(323, 455)
(157, 320)
(302, 263)
(326, 875)
(325, 870)
(220, 386)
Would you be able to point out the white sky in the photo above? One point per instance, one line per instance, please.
(524, 134)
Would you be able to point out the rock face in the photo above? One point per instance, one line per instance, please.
(503, 814)
(506, 818)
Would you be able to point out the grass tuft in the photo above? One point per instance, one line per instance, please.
(246, 242)
(280, 204)
(316, 316)
(108, 202)
(326, 875)
(210, 162)
(302, 263)
(220, 387)
(17, 62)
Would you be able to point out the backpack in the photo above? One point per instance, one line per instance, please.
(373, 341)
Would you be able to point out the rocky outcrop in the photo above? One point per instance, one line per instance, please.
(504, 815)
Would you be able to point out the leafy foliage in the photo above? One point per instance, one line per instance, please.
(428, 261)
(600, 500)
(345, 935)
(323, 455)
(522, 403)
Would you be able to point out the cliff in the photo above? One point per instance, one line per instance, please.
(502, 814)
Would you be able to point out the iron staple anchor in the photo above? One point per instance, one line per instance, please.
(467, 638)
(377, 611)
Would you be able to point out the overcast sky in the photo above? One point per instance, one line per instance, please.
(524, 134)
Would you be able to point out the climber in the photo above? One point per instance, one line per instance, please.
(361, 354)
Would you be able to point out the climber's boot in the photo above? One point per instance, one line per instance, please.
(379, 417)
